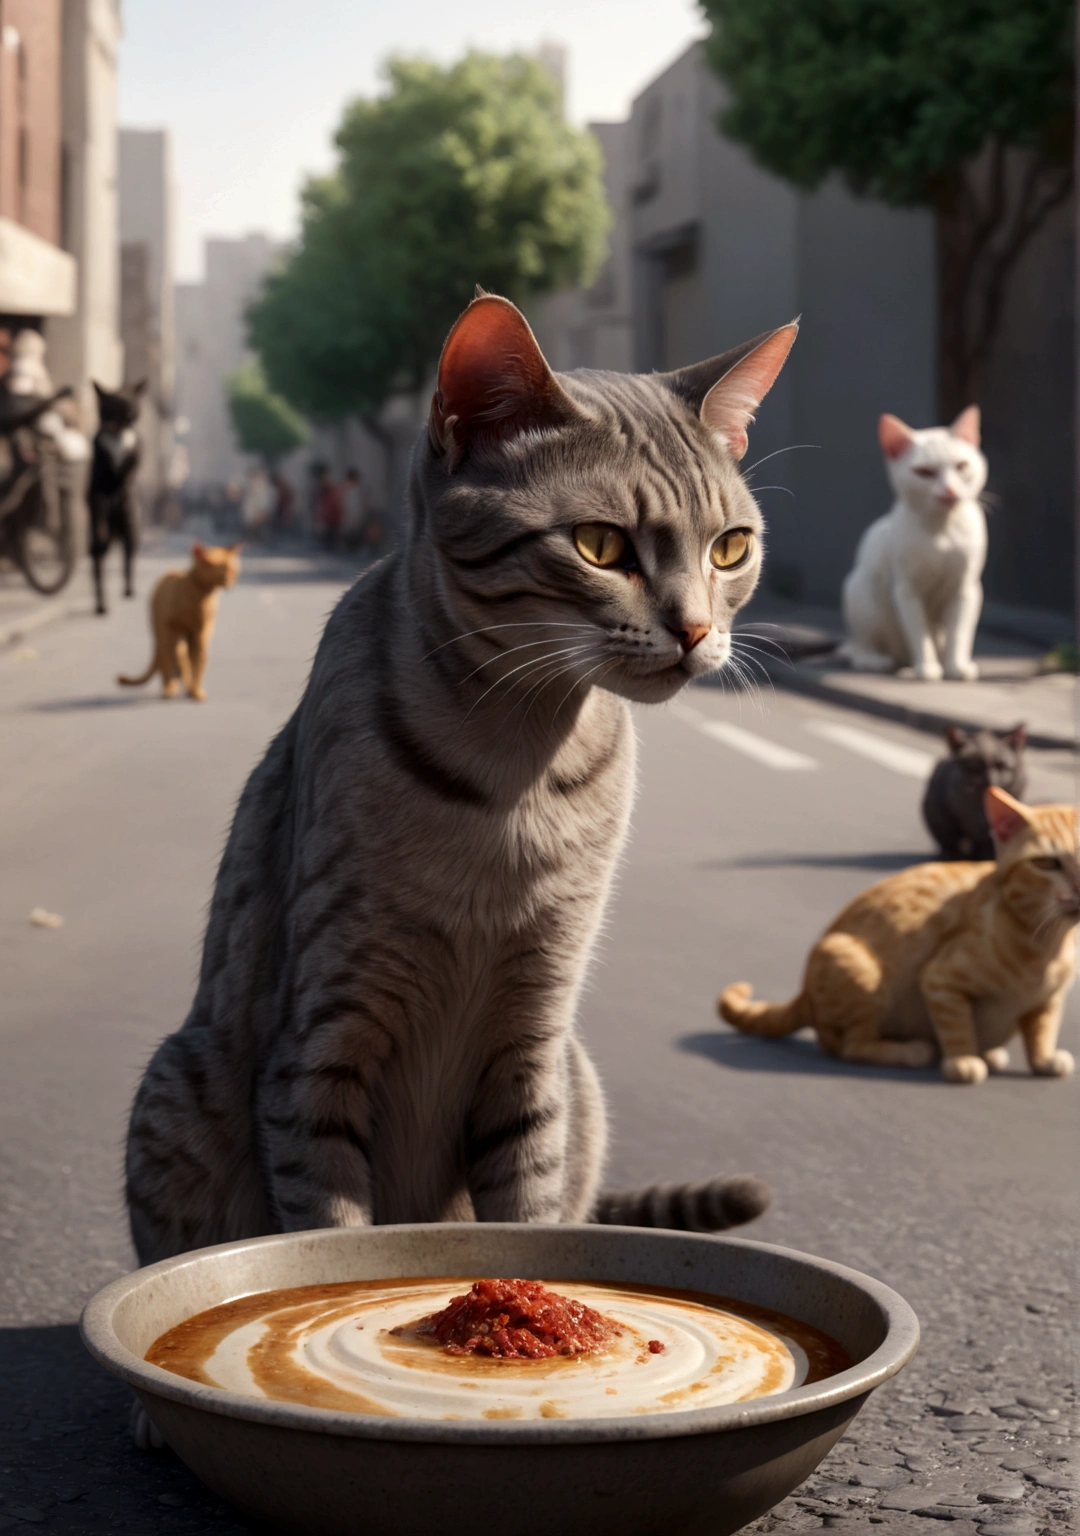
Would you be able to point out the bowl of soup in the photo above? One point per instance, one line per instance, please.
(501, 1379)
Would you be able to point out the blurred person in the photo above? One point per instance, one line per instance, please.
(328, 509)
(353, 509)
(27, 373)
(285, 505)
(258, 504)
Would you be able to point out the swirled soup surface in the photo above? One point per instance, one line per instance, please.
(360, 1346)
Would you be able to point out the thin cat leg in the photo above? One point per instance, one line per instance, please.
(173, 664)
(961, 621)
(517, 1134)
(99, 583)
(953, 1017)
(131, 544)
(912, 616)
(197, 655)
(1039, 1031)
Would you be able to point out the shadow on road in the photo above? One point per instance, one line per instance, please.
(884, 860)
(66, 1454)
(793, 1053)
(97, 701)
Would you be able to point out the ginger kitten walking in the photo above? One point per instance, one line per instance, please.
(182, 613)
(947, 961)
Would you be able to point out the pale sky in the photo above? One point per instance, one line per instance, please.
(252, 90)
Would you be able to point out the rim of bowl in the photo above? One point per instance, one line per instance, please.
(892, 1354)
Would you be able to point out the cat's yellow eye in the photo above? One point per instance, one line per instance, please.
(732, 549)
(600, 543)
(1048, 862)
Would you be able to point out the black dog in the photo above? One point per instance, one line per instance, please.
(114, 509)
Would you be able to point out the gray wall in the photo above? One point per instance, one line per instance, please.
(723, 251)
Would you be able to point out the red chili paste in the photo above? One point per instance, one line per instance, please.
(517, 1320)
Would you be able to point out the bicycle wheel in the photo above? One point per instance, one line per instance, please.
(45, 547)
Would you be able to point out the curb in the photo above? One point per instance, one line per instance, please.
(929, 720)
(45, 613)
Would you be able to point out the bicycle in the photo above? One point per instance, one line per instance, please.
(37, 513)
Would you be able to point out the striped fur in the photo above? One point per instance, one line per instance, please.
(383, 1028)
(947, 962)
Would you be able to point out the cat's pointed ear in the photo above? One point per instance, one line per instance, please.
(968, 426)
(894, 435)
(198, 551)
(1007, 817)
(234, 549)
(956, 737)
(1016, 737)
(101, 393)
(139, 389)
(727, 390)
(493, 381)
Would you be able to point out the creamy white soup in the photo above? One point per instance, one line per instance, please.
(459, 1349)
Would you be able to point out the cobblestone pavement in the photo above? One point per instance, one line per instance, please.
(112, 809)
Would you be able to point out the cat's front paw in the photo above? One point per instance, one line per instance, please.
(198, 695)
(962, 672)
(928, 672)
(1059, 1064)
(997, 1059)
(964, 1069)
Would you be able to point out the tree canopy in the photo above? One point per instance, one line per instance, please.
(455, 176)
(264, 423)
(964, 106)
(893, 94)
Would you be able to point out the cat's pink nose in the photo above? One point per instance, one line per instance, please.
(688, 635)
(948, 497)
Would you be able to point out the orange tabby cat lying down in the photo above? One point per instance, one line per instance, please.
(947, 961)
(183, 608)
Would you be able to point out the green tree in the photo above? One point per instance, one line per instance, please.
(455, 176)
(263, 423)
(961, 106)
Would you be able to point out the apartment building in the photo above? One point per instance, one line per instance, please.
(37, 276)
(147, 320)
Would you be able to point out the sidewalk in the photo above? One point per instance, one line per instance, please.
(796, 645)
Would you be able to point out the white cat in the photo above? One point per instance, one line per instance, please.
(914, 595)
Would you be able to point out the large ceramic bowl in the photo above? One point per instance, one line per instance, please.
(316, 1472)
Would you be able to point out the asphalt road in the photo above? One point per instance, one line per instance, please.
(756, 820)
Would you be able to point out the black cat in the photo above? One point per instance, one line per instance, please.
(953, 803)
(114, 509)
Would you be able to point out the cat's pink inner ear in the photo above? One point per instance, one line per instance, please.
(729, 407)
(492, 378)
(199, 551)
(894, 436)
(968, 426)
(1007, 817)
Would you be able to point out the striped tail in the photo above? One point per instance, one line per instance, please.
(737, 1007)
(711, 1206)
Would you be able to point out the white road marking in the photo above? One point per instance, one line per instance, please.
(747, 742)
(906, 760)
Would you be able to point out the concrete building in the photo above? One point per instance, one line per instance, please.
(211, 343)
(593, 327)
(721, 251)
(37, 277)
(85, 344)
(147, 323)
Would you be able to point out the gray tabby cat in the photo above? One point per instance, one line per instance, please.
(384, 1023)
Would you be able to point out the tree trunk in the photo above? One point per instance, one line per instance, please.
(987, 215)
